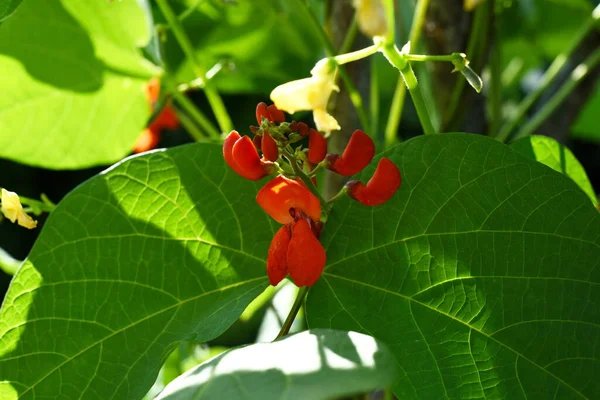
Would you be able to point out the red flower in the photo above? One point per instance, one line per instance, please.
(317, 147)
(269, 147)
(271, 113)
(381, 187)
(357, 155)
(241, 155)
(295, 248)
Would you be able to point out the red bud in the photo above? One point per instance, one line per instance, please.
(381, 187)
(257, 141)
(269, 148)
(147, 140)
(305, 255)
(302, 129)
(357, 155)
(277, 257)
(262, 112)
(276, 114)
(166, 119)
(241, 155)
(317, 147)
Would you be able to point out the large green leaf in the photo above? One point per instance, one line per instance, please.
(551, 153)
(482, 274)
(8, 7)
(72, 82)
(261, 43)
(161, 248)
(320, 364)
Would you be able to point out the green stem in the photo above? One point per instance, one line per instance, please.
(194, 112)
(8, 264)
(353, 93)
(454, 57)
(285, 329)
(190, 126)
(374, 98)
(38, 206)
(339, 195)
(214, 99)
(391, 129)
(390, 13)
(578, 74)
(357, 55)
(549, 76)
(350, 37)
(399, 61)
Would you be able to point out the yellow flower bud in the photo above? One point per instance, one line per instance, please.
(13, 210)
(370, 15)
(310, 94)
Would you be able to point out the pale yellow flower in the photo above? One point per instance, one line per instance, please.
(13, 210)
(469, 5)
(310, 94)
(370, 15)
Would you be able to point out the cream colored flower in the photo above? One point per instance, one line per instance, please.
(13, 210)
(370, 15)
(310, 94)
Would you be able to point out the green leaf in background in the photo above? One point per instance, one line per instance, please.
(261, 43)
(551, 153)
(586, 125)
(320, 364)
(161, 248)
(482, 274)
(7, 8)
(72, 82)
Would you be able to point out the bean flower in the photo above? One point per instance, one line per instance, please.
(292, 198)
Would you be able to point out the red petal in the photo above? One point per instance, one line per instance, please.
(317, 147)
(277, 256)
(302, 128)
(357, 155)
(269, 147)
(305, 255)
(228, 144)
(166, 119)
(257, 141)
(280, 195)
(152, 91)
(146, 141)
(248, 162)
(276, 114)
(262, 112)
(381, 187)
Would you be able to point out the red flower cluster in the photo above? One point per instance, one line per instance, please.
(295, 248)
(166, 119)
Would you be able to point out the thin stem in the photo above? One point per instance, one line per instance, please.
(38, 206)
(396, 59)
(339, 195)
(454, 57)
(390, 12)
(350, 37)
(549, 76)
(578, 74)
(397, 106)
(8, 264)
(184, 41)
(353, 93)
(194, 112)
(285, 329)
(190, 126)
(357, 55)
(374, 98)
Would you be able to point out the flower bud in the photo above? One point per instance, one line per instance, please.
(356, 156)
(317, 147)
(13, 210)
(241, 155)
(269, 147)
(262, 112)
(381, 187)
(306, 256)
(147, 140)
(371, 18)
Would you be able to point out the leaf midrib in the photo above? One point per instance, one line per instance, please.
(412, 300)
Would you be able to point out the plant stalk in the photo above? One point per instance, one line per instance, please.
(214, 99)
(285, 329)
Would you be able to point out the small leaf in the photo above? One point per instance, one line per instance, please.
(320, 364)
(162, 248)
(549, 152)
(471, 76)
